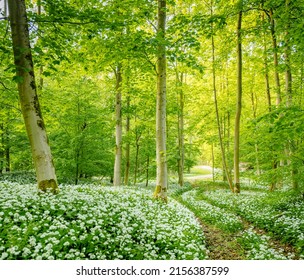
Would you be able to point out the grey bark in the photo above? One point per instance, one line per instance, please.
(118, 129)
(161, 159)
(30, 107)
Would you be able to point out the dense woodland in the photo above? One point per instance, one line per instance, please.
(137, 92)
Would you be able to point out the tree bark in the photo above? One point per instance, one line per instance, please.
(30, 107)
(238, 106)
(136, 157)
(275, 59)
(41, 67)
(288, 87)
(161, 161)
(147, 170)
(127, 169)
(224, 162)
(267, 84)
(181, 149)
(7, 150)
(118, 130)
(1, 148)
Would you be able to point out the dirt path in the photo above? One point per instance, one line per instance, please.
(221, 246)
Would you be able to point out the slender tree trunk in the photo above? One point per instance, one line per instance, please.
(275, 59)
(136, 158)
(238, 106)
(161, 160)
(274, 180)
(1, 148)
(118, 149)
(77, 167)
(288, 87)
(7, 151)
(254, 113)
(213, 163)
(127, 169)
(224, 162)
(181, 149)
(267, 83)
(267, 88)
(147, 170)
(30, 107)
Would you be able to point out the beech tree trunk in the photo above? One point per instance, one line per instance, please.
(127, 169)
(288, 87)
(275, 59)
(1, 148)
(161, 161)
(118, 148)
(7, 149)
(138, 135)
(30, 107)
(267, 84)
(238, 107)
(147, 170)
(181, 149)
(224, 162)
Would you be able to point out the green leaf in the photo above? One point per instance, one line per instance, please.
(18, 79)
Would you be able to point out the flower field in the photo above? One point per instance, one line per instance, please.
(89, 222)
(280, 215)
(107, 223)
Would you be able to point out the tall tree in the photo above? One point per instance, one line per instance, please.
(161, 157)
(118, 134)
(224, 161)
(30, 107)
(180, 127)
(238, 103)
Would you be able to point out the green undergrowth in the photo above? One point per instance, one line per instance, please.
(91, 222)
(280, 214)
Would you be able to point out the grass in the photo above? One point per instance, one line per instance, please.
(199, 170)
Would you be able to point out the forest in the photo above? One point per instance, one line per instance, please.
(141, 129)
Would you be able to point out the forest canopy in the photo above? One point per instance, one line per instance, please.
(233, 84)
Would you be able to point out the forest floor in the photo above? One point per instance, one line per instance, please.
(228, 234)
(221, 245)
(224, 246)
(90, 221)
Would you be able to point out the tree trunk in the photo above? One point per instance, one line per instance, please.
(161, 161)
(127, 169)
(267, 84)
(224, 162)
(41, 67)
(181, 149)
(30, 107)
(77, 167)
(1, 148)
(147, 170)
(213, 163)
(238, 107)
(7, 151)
(118, 149)
(136, 159)
(288, 87)
(275, 59)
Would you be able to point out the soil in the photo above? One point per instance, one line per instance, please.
(221, 245)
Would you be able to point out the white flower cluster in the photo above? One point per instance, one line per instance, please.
(285, 218)
(92, 222)
(258, 248)
(210, 213)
